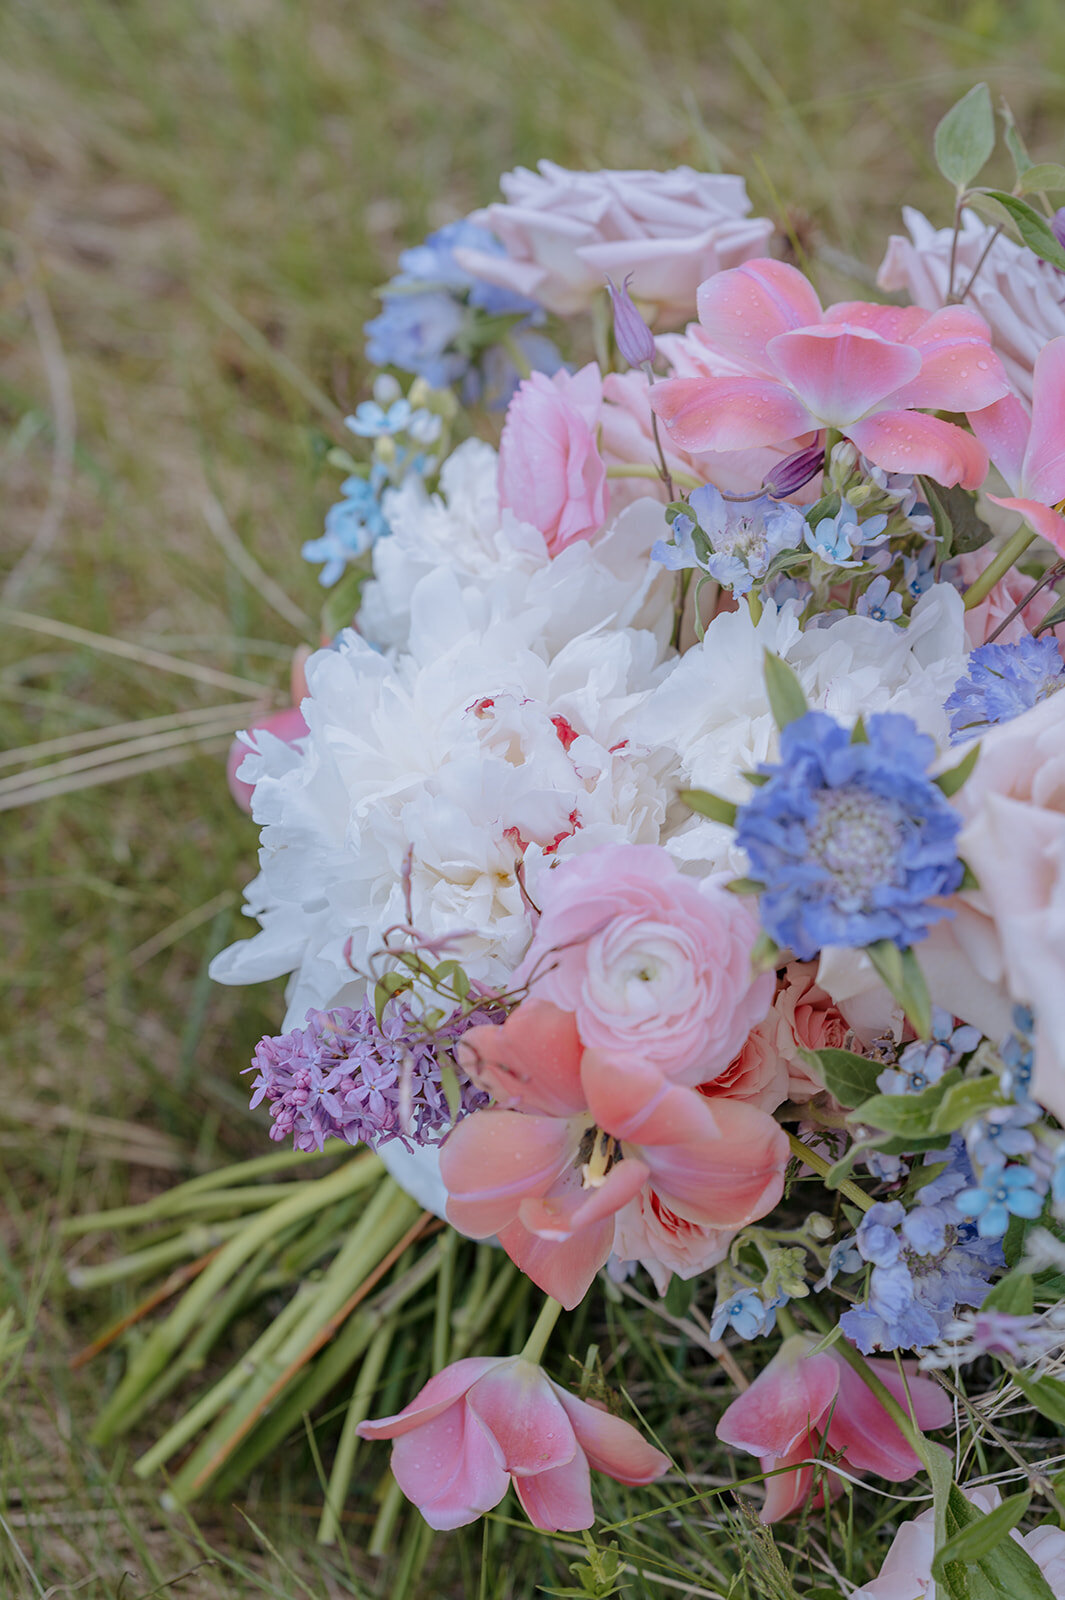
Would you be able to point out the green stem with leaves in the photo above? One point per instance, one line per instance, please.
(1011, 552)
(812, 1158)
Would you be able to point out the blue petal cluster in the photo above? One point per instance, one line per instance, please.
(924, 1062)
(1003, 680)
(351, 526)
(746, 1313)
(925, 1263)
(733, 541)
(852, 841)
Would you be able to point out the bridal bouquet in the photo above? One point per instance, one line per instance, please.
(666, 848)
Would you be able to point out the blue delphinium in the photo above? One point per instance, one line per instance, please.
(732, 541)
(1003, 680)
(925, 1263)
(852, 841)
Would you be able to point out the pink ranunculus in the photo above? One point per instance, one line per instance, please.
(577, 1135)
(485, 1423)
(287, 725)
(869, 371)
(806, 1018)
(655, 966)
(1026, 447)
(566, 232)
(802, 1404)
(648, 1232)
(550, 471)
(1013, 838)
(1009, 591)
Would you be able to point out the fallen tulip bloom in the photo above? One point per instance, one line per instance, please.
(484, 1423)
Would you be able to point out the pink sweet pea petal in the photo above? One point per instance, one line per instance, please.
(862, 1429)
(741, 310)
(788, 1398)
(450, 1468)
(1049, 524)
(787, 1491)
(1043, 477)
(907, 441)
(728, 413)
(959, 370)
(563, 1269)
(1003, 431)
(611, 1445)
(840, 373)
(493, 1159)
(531, 1063)
(898, 324)
(564, 1211)
(518, 1406)
(559, 1501)
(441, 1391)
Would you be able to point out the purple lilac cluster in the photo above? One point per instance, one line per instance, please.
(850, 838)
(344, 1076)
(1003, 680)
(925, 1263)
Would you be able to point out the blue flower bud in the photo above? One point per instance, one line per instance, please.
(633, 337)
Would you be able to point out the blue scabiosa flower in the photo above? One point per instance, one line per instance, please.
(1003, 680)
(851, 840)
(746, 1313)
(733, 541)
(1001, 1193)
(342, 1076)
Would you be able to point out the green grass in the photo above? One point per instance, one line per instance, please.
(198, 199)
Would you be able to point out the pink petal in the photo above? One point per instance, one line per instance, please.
(559, 1501)
(517, 1404)
(898, 324)
(612, 1445)
(788, 1398)
(1003, 431)
(442, 1390)
(531, 1063)
(728, 413)
(862, 1429)
(1043, 477)
(494, 1159)
(741, 310)
(907, 441)
(840, 373)
(1049, 524)
(450, 1468)
(787, 1491)
(565, 1270)
(568, 1208)
(959, 371)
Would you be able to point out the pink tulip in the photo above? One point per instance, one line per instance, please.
(287, 725)
(805, 1407)
(786, 367)
(1027, 450)
(576, 1136)
(483, 1423)
(550, 471)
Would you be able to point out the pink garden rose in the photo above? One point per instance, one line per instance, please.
(804, 1017)
(655, 966)
(788, 367)
(801, 1403)
(759, 1074)
(576, 1135)
(1009, 591)
(565, 233)
(485, 1423)
(550, 471)
(648, 1232)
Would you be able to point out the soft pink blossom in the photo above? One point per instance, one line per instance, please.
(787, 368)
(656, 966)
(1026, 447)
(287, 725)
(986, 618)
(802, 1404)
(576, 1135)
(759, 1074)
(485, 1423)
(551, 474)
(804, 1017)
(566, 232)
(665, 1245)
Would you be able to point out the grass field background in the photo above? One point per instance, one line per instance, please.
(198, 198)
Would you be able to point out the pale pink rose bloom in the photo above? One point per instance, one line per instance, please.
(648, 1232)
(485, 1423)
(1025, 446)
(575, 1135)
(800, 1400)
(758, 1074)
(1021, 298)
(566, 232)
(551, 474)
(1013, 807)
(1008, 592)
(656, 966)
(870, 371)
(806, 1018)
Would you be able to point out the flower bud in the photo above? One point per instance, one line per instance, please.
(634, 338)
(795, 470)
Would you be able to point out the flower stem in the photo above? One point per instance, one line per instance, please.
(811, 1158)
(536, 1343)
(644, 469)
(1011, 551)
(517, 355)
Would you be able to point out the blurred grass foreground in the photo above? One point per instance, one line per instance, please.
(198, 199)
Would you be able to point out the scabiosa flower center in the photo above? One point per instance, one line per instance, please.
(855, 836)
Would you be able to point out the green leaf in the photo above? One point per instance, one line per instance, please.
(965, 1101)
(386, 988)
(820, 1592)
(1033, 228)
(905, 1113)
(1005, 1572)
(678, 1296)
(972, 1543)
(744, 886)
(1014, 143)
(765, 954)
(1046, 1394)
(950, 782)
(1046, 176)
(850, 1077)
(970, 531)
(786, 699)
(449, 1082)
(1055, 615)
(969, 880)
(710, 805)
(965, 137)
(343, 600)
(858, 733)
(902, 975)
(451, 972)
(941, 521)
(1014, 1293)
